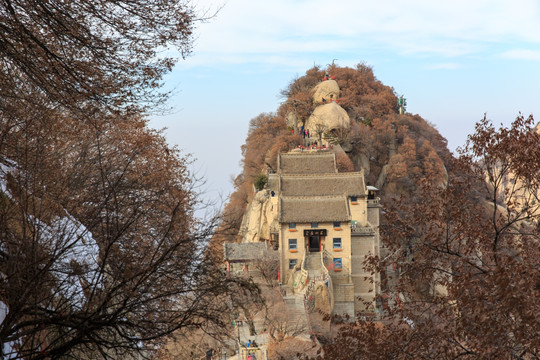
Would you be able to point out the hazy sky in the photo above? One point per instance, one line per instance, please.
(452, 60)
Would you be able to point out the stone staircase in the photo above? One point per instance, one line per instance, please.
(313, 265)
(297, 313)
(295, 300)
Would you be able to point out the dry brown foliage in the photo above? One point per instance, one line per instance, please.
(100, 252)
(466, 282)
(344, 163)
(291, 348)
(92, 53)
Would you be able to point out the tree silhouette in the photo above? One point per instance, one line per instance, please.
(100, 251)
(101, 255)
(83, 53)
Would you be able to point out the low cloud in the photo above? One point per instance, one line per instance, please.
(245, 29)
(445, 66)
(522, 54)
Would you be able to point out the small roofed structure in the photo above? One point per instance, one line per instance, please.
(372, 192)
(243, 251)
(238, 255)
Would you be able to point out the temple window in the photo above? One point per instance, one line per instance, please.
(292, 244)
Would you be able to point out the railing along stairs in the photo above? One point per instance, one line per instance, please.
(309, 295)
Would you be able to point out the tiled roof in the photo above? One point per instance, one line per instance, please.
(349, 184)
(243, 251)
(314, 209)
(306, 163)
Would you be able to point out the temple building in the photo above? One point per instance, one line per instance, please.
(326, 224)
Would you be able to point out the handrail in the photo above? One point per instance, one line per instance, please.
(328, 278)
(305, 273)
(303, 266)
(303, 278)
(326, 255)
(309, 298)
(373, 201)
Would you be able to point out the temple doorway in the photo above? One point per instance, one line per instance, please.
(314, 243)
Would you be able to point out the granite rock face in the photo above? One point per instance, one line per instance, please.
(326, 91)
(259, 217)
(328, 117)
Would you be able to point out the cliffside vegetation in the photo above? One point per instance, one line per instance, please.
(460, 270)
(396, 151)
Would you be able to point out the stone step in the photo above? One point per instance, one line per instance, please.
(313, 262)
(296, 304)
(315, 275)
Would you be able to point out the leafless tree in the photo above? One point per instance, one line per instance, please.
(92, 53)
(281, 321)
(267, 266)
(100, 251)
